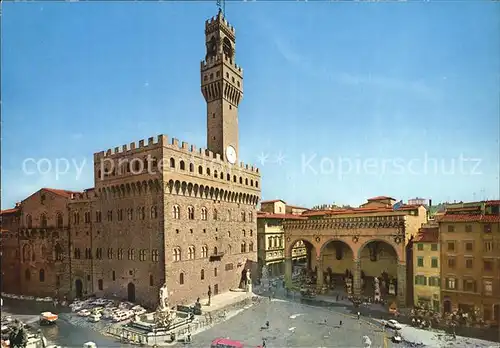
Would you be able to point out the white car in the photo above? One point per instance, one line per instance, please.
(94, 318)
(393, 324)
(84, 313)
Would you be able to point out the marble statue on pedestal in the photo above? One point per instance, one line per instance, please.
(376, 285)
(249, 281)
(163, 298)
(348, 283)
(164, 315)
(392, 287)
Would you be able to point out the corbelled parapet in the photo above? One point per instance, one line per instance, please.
(214, 60)
(162, 140)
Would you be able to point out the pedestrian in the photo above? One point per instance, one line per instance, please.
(263, 343)
(267, 324)
(359, 315)
(189, 338)
(341, 323)
(325, 321)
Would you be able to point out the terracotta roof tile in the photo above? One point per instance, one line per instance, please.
(364, 210)
(273, 201)
(9, 211)
(297, 207)
(262, 215)
(428, 235)
(62, 193)
(379, 198)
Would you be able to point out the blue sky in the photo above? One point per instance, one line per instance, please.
(360, 100)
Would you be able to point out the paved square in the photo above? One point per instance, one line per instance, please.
(292, 325)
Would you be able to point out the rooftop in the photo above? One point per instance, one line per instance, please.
(272, 201)
(367, 210)
(262, 215)
(428, 235)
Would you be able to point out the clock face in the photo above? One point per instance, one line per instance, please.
(231, 154)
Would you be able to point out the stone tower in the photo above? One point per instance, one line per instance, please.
(222, 87)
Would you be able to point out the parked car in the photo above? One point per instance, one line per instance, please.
(393, 324)
(84, 313)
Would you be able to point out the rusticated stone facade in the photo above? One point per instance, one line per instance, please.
(160, 212)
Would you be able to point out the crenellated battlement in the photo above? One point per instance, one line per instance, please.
(132, 147)
(175, 144)
(84, 196)
(216, 21)
(217, 59)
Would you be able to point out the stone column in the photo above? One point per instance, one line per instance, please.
(402, 284)
(356, 274)
(319, 274)
(288, 272)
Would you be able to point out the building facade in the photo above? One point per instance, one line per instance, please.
(470, 259)
(367, 242)
(9, 251)
(270, 236)
(426, 269)
(160, 213)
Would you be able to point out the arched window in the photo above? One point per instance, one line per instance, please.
(228, 177)
(176, 212)
(29, 222)
(191, 167)
(41, 275)
(250, 246)
(59, 220)
(234, 178)
(58, 250)
(215, 250)
(204, 251)
(181, 278)
(151, 280)
(191, 253)
(215, 272)
(241, 180)
(43, 221)
(172, 163)
(229, 215)
(243, 216)
(26, 253)
(229, 249)
(177, 254)
(215, 214)
(154, 212)
(208, 171)
(27, 275)
(244, 233)
(204, 213)
(202, 274)
(250, 216)
(200, 170)
(182, 165)
(216, 175)
(243, 247)
(191, 213)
